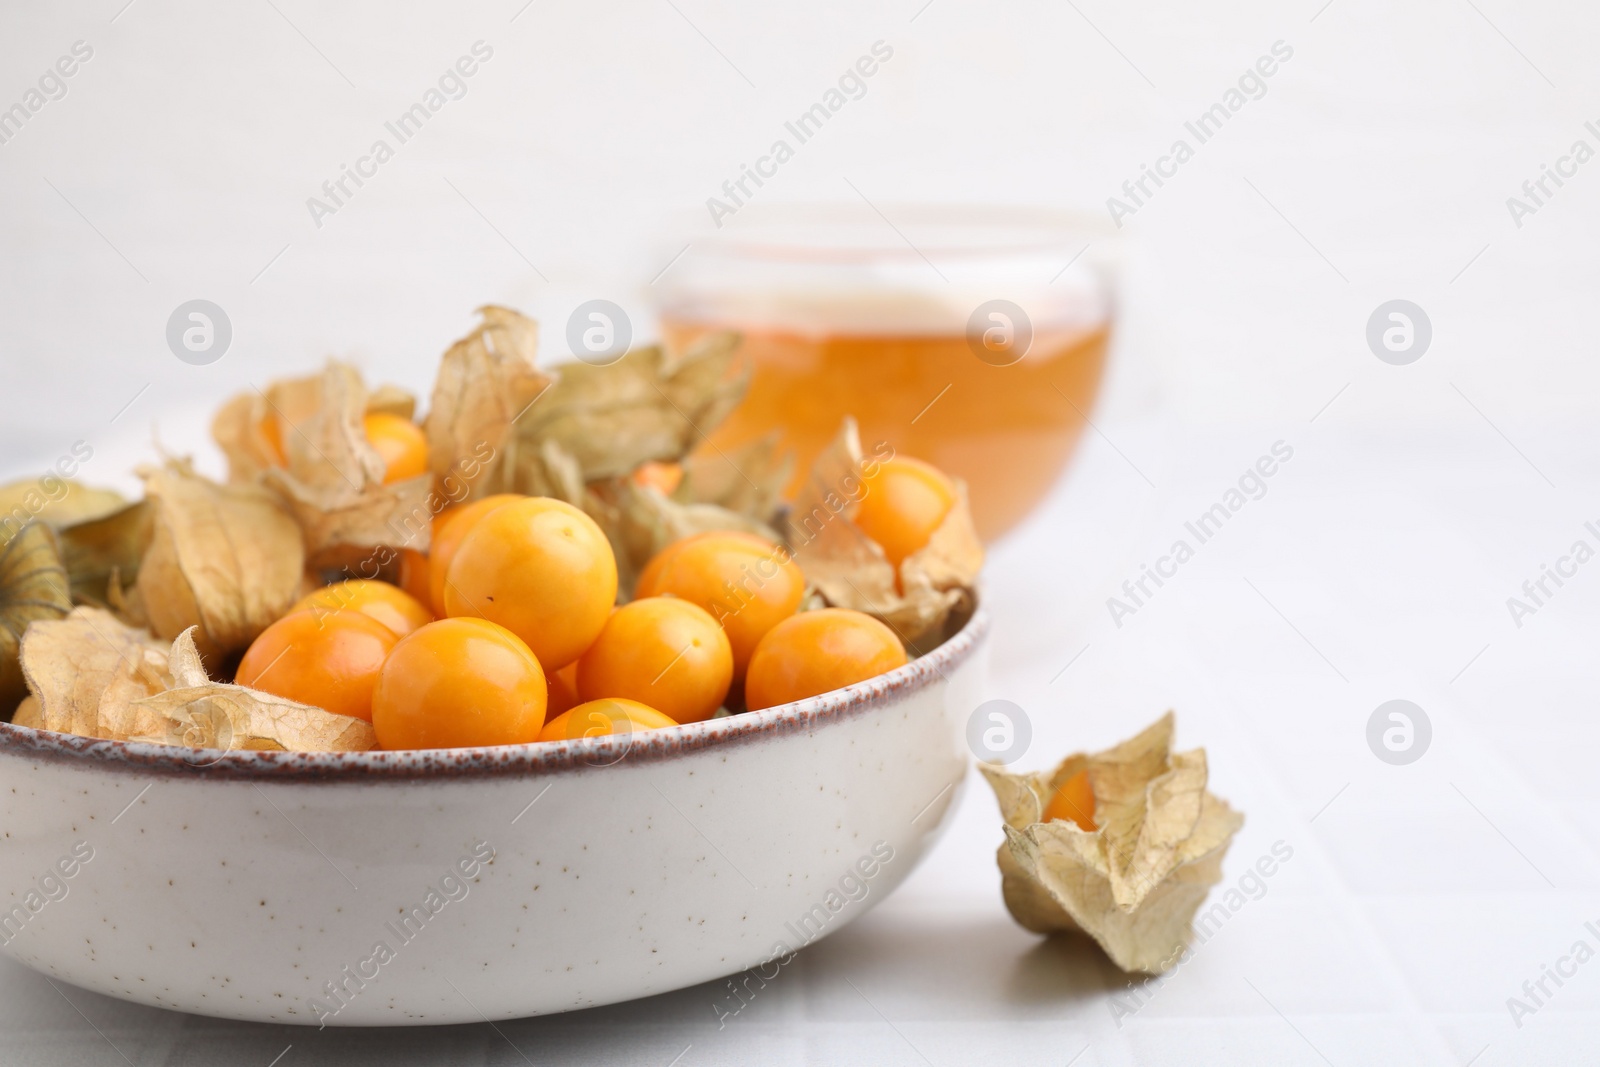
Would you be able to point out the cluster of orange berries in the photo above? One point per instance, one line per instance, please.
(508, 632)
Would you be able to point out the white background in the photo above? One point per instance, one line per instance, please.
(1378, 565)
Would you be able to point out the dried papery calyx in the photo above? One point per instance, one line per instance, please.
(1134, 882)
(650, 405)
(227, 559)
(94, 676)
(641, 521)
(33, 588)
(931, 593)
(487, 384)
(305, 438)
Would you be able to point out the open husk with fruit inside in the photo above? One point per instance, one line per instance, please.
(155, 620)
(1121, 845)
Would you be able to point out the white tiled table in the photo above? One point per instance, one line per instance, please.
(1376, 567)
(1418, 897)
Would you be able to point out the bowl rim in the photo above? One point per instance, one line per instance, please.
(590, 754)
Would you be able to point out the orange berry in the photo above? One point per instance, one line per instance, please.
(662, 477)
(1074, 802)
(563, 690)
(665, 653)
(457, 683)
(413, 578)
(330, 661)
(542, 569)
(390, 605)
(401, 443)
(816, 652)
(272, 430)
(600, 717)
(747, 583)
(450, 526)
(904, 503)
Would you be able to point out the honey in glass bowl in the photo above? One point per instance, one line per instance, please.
(974, 340)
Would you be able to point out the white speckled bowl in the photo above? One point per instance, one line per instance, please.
(384, 888)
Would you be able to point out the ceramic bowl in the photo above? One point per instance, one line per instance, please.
(385, 888)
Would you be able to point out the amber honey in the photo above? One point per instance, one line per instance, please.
(884, 313)
(1008, 431)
